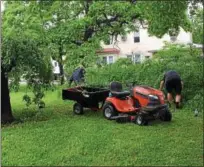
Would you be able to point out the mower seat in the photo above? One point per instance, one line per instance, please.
(116, 90)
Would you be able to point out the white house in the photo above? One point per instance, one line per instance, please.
(139, 46)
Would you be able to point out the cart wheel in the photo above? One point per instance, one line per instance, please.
(165, 115)
(78, 109)
(140, 120)
(109, 111)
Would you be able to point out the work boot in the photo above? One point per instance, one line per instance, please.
(177, 104)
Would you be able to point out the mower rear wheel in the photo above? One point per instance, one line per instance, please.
(109, 111)
(166, 115)
(78, 109)
(140, 120)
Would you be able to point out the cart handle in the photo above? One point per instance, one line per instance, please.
(85, 94)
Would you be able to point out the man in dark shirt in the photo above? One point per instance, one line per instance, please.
(77, 76)
(172, 82)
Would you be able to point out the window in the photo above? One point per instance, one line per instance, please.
(104, 60)
(129, 57)
(136, 37)
(137, 58)
(55, 64)
(110, 59)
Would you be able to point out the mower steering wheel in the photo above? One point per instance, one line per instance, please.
(133, 83)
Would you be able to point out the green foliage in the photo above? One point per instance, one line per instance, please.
(125, 62)
(23, 58)
(163, 16)
(96, 21)
(196, 102)
(20, 19)
(23, 51)
(197, 21)
(85, 54)
(74, 29)
(186, 61)
(27, 99)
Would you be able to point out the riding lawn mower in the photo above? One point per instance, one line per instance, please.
(139, 105)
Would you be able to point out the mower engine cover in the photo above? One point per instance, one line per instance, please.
(148, 96)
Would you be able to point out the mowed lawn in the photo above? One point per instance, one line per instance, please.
(54, 136)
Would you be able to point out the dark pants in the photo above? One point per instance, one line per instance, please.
(174, 85)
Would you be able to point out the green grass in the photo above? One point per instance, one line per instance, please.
(54, 136)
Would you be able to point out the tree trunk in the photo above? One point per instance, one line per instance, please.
(61, 73)
(60, 63)
(6, 113)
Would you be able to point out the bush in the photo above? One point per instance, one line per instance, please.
(186, 61)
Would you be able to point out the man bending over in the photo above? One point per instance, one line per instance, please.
(172, 82)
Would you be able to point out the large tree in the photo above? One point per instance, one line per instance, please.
(22, 54)
(55, 18)
(75, 29)
(78, 26)
(197, 21)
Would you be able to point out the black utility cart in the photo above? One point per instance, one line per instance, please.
(85, 97)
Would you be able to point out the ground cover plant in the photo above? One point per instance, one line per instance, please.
(38, 135)
(54, 136)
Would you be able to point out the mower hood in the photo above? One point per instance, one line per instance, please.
(146, 90)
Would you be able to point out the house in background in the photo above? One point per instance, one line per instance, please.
(139, 46)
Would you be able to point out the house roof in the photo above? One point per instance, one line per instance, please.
(109, 50)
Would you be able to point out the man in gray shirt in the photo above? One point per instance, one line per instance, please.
(172, 82)
(77, 76)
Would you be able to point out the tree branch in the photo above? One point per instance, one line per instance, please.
(107, 21)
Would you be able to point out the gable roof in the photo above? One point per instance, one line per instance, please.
(109, 50)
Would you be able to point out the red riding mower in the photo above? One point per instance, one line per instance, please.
(139, 105)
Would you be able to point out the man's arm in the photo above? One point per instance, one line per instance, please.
(162, 82)
(161, 85)
(182, 84)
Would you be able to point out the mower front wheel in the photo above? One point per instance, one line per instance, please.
(78, 109)
(166, 115)
(140, 120)
(109, 111)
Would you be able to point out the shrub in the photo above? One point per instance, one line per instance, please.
(186, 61)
